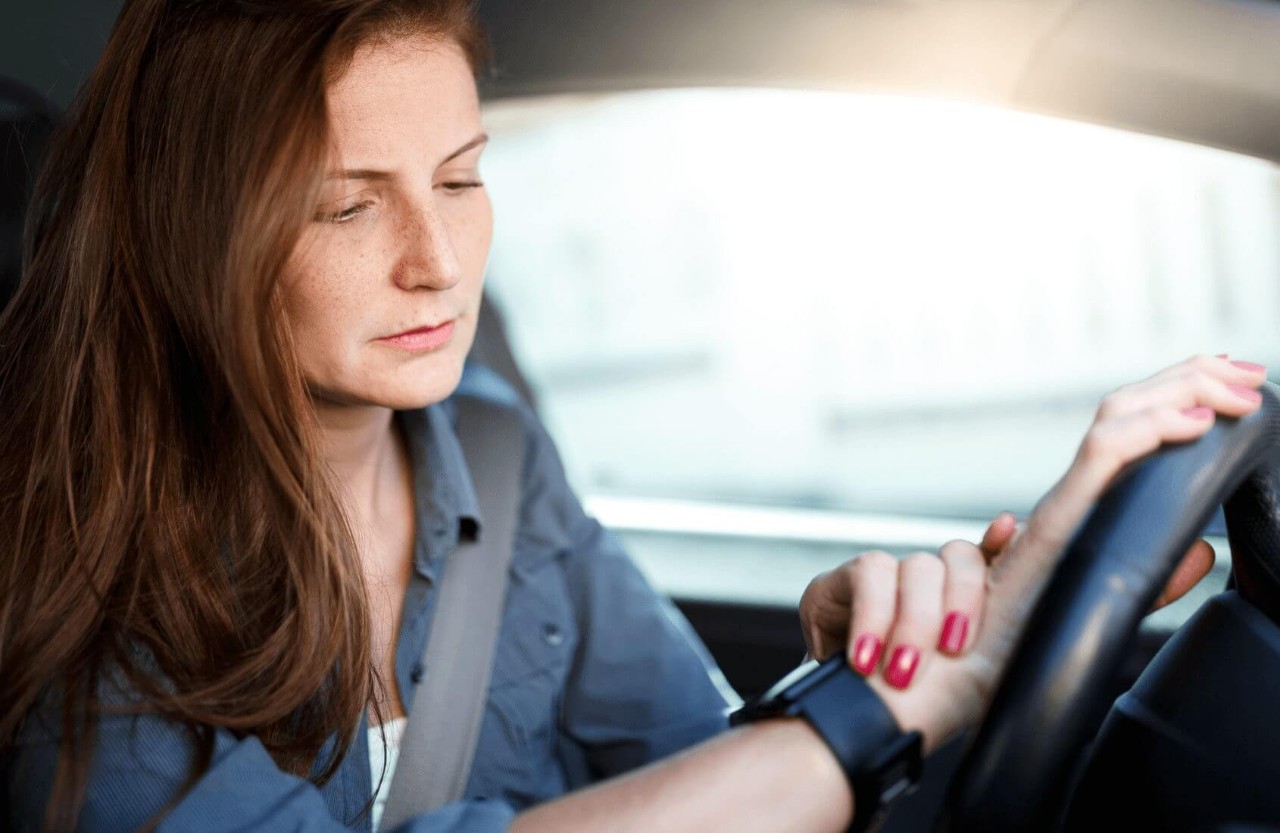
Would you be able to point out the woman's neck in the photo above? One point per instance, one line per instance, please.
(366, 455)
(370, 462)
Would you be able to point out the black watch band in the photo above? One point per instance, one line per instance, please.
(880, 761)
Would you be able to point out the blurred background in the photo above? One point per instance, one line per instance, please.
(880, 309)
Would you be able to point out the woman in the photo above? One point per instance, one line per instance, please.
(253, 275)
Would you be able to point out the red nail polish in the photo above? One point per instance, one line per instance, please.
(1250, 366)
(866, 654)
(1199, 412)
(1246, 393)
(954, 630)
(902, 666)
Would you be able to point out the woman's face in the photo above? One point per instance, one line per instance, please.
(383, 290)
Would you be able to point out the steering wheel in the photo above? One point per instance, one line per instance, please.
(1053, 696)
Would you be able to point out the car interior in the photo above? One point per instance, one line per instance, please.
(1109, 718)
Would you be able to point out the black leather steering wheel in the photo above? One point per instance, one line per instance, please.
(1053, 695)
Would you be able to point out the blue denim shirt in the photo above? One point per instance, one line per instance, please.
(595, 674)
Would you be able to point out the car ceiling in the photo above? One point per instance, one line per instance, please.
(1206, 71)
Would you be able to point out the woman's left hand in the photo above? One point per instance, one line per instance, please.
(933, 633)
(853, 606)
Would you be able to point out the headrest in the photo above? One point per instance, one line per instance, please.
(26, 121)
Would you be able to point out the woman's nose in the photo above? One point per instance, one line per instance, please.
(428, 259)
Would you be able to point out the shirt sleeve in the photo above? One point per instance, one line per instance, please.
(642, 685)
(140, 763)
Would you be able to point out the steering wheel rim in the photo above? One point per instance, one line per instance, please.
(1017, 773)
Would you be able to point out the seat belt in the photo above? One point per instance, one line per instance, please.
(439, 742)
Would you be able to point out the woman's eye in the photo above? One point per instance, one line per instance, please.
(458, 186)
(344, 214)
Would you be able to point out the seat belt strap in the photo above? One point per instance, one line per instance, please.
(440, 739)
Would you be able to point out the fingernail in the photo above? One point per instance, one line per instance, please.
(1248, 394)
(902, 666)
(1199, 412)
(954, 630)
(866, 654)
(1250, 367)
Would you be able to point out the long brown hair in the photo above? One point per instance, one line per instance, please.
(169, 520)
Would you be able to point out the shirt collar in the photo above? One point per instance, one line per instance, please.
(444, 496)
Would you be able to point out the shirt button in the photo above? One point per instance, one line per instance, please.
(551, 633)
(415, 675)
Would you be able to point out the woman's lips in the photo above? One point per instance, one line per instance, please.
(422, 340)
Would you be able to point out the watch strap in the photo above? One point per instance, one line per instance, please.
(879, 760)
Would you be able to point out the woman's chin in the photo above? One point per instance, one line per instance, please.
(412, 398)
(420, 389)
(400, 392)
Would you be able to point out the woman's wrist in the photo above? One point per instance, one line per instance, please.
(938, 710)
(808, 752)
(878, 760)
(908, 712)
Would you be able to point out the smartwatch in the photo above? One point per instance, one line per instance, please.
(881, 762)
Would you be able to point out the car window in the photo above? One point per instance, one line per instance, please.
(770, 328)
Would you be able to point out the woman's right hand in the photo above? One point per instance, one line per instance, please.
(911, 607)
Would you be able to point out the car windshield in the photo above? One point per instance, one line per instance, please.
(813, 321)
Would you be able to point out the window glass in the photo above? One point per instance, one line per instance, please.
(859, 306)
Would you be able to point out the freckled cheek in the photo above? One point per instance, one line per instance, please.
(328, 311)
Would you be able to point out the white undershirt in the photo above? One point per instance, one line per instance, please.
(384, 752)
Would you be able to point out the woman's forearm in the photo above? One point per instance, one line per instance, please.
(768, 776)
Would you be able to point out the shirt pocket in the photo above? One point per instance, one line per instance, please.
(517, 755)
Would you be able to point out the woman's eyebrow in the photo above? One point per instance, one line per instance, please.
(471, 145)
(382, 176)
(360, 173)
